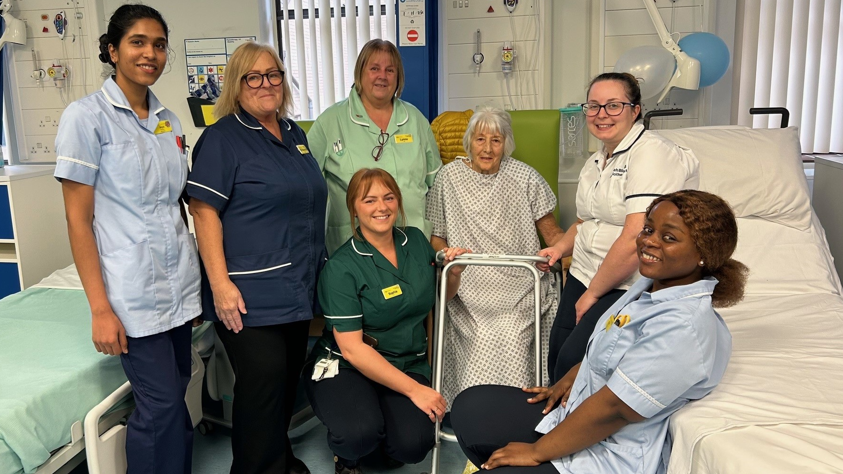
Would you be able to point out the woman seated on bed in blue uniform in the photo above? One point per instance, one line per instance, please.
(118, 155)
(258, 201)
(369, 381)
(658, 347)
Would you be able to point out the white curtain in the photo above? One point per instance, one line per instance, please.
(321, 41)
(789, 53)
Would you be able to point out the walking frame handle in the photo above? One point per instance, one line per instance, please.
(555, 268)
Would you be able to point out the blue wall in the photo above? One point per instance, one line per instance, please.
(421, 66)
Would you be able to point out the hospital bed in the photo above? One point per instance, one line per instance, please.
(778, 407)
(51, 378)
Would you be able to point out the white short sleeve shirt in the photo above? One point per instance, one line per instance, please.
(642, 167)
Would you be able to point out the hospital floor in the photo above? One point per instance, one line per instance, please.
(212, 454)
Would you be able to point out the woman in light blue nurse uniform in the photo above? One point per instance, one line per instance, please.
(658, 347)
(123, 166)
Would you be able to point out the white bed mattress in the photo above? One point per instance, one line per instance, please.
(779, 407)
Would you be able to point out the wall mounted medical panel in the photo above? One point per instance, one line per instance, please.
(76, 53)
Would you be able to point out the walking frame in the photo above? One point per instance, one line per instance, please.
(518, 261)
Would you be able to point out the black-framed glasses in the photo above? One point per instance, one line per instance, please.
(612, 108)
(377, 151)
(255, 80)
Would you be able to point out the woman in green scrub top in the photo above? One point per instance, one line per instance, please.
(369, 383)
(374, 128)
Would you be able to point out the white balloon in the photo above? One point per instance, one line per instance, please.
(653, 66)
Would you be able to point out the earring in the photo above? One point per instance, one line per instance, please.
(702, 264)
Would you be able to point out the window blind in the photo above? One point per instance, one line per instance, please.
(789, 53)
(320, 40)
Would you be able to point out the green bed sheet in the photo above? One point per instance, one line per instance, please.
(50, 374)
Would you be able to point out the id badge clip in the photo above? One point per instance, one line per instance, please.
(326, 368)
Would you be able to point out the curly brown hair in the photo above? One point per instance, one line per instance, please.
(715, 232)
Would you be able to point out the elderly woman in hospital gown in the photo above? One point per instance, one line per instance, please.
(492, 203)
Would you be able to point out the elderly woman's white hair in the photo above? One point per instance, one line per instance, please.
(494, 120)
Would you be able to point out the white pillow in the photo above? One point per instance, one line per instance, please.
(757, 171)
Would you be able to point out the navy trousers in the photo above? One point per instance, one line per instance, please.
(488, 417)
(159, 436)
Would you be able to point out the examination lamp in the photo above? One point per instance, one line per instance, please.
(687, 74)
(15, 29)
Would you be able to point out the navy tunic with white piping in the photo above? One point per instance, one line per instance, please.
(271, 199)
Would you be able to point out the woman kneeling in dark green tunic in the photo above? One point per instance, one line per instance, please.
(370, 381)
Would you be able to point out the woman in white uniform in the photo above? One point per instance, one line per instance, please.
(616, 185)
(122, 164)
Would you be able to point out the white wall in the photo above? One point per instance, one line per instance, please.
(190, 19)
(33, 104)
(462, 86)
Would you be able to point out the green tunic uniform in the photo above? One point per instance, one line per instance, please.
(342, 140)
(360, 289)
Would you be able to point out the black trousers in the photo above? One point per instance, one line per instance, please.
(267, 361)
(568, 340)
(361, 415)
(488, 417)
(159, 434)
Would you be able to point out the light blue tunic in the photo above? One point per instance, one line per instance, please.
(671, 347)
(148, 257)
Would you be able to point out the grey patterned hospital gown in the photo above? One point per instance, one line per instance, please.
(491, 332)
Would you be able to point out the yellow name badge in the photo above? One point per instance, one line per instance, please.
(406, 138)
(619, 321)
(164, 126)
(302, 149)
(391, 292)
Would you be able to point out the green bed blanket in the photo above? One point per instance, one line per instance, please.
(50, 374)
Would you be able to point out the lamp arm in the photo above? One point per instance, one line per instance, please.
(661, 29)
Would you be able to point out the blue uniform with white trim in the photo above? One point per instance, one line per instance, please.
(271, 199)
(147, 255)
(656, 352)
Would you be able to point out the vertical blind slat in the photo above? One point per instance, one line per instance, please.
(377, 19)
(764, 67)
(327, 52)
(812, 75)
(836, 145)
(351, 36)
(304, 105)
(749, 61)
(390, 21)
(313, 59)
(828, 65)
(781, 58)
(364, 32)
(796, 74)
(339, 67)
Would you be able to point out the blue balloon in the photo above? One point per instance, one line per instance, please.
(712, 53)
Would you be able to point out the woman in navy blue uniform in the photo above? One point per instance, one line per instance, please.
(258, 201)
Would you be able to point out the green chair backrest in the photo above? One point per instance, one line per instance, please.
(305, 125)
(536, 135)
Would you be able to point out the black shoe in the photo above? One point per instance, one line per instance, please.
(388, 461)
(296, 466)
(340, 468)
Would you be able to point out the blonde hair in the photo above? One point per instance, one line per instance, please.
(360, 184)
(372, 47)
(244, 57)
